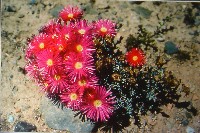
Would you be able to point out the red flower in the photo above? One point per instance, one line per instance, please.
(78, 66)
(72, 99)
(105, 28)
(32, 70)
(49, 62)
(71, 13)
(97, 103)
(135, 57)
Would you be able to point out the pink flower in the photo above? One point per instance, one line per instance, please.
(83, 28)
(78, 66)
(105, 28)
(72, 99)
(39, 43)
(52, 28)
(67, 32)
(49, 62)
(71, 13)
(83, 45)
(57, 82)
(98, 103)
(85, 82)
(32, 70)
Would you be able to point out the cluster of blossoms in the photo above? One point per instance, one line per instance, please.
(60, 60)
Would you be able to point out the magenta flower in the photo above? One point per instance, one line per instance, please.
(78, 66)
(72, 98)
(83, 45)
(49, 62)
(83, 28)
(39, 43)
(57, 82)
(105, 28)
(98, 104)
(71, 13)
(52, 28)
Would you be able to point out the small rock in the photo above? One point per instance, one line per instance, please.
(184, 122)
(24, 127)
(101, 4)
(59, 119)
(169, 106)
(195, 97)
(11, 9)
(189, 130)
(55, 10)
(21, 16)
(10, 119)
(33, 2)
(17, 110)
(145, 13)
(170, 48)
(160, 39)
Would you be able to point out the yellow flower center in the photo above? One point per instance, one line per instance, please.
(103, 29)
(53, 36)
(97, 103)
(41, 45)
(60, 47)
(82, 82)
(78, 65)
(70, 15)
(49, 62)
(66, 36)
(56, 77)
(135, 58)
(81, 31)
(79, 48)
(45, 84)
(73, 96)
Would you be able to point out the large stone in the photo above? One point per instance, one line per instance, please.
(63, 119)
(143, 12)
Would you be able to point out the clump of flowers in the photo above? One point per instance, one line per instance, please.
(77, 63)
(60, 59)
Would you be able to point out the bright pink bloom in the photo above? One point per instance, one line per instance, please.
(105, 28)
(49, 62)
(71, 13)
(77, 66)
(85, 82)
(135, 57)
(52, 28)
(83, 28)
(72, 98)
(57, 82)
(83, 45)
(67, 32)
(98, 103)
(39, 43)
(32, 70)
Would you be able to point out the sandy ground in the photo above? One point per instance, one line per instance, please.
(20, 97)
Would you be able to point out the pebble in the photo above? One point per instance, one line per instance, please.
(145, 13)
(21, 16)
(10, 119)
(160, 39)
(55, 10)
(24, 127)
(17, 110)
(195, 97)
(11, 9)
(185, 122)
(59, 119)
(100, 4)
(190, 130)
(170, 48)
